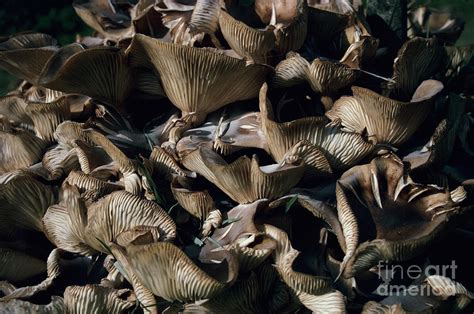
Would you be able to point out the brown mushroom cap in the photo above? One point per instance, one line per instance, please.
(379, 203)
(24, 55)
(226, 80)
(418, 59)
(97, 299)
(269, 181)
(323, 76)
(342, 149)
(196, 202)
(169, 273)
(385, 120)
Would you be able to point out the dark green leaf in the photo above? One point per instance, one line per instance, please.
(290, 203)
(230, 221)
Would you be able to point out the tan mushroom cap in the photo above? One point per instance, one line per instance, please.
(30, 50)
(127, 167)
(124, 211)
(19, 148)
(205, 17)
(244, 296)
(97, 299)
(169, 273)
(87, 184)
(23, 202)
(248, 42)
(40, 94)
(323, 76)
(341, 149)
(244, 180)
(143, 294)
(252, 246)
(398, 219)
(458, 57)
(164, 165)
(68, 132)
(418, 59)
(47, 116)
(385, 120)
(78, 228)
(285, 31)
(59, 161)
(73, 69)
(196, 202)
(13, 110)
(226, 134)
(207, 80)
(424, 21)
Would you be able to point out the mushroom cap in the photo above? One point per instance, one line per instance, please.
(223, 135)
(252, 247)
(286, 26)
(24, 55)
(385, 215)
(105, 17)
(169, 273)
(418, 60)
(342, 149)
(244, 180)
(19, 148)
(24, 201)
(207, 80)
(78, 228)
(437, 151)
(13, 110)
(323, 76)
(97, 299)
(431, 295)
(74, 69)
(386, 121)
(47, 116)
(197, 203)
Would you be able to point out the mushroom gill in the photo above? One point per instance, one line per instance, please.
(83, 228)
(244, 180)
(19, 148)
(166, 270)
(208, 79)
(387, 216)
(418, 60)
(97, 299)
(196, 202)
(342, 149)
(323, 76)
(384, 120)
(23, 202)
(24, 55)
(279, 26)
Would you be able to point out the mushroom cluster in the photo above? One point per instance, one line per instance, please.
(237, 156)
